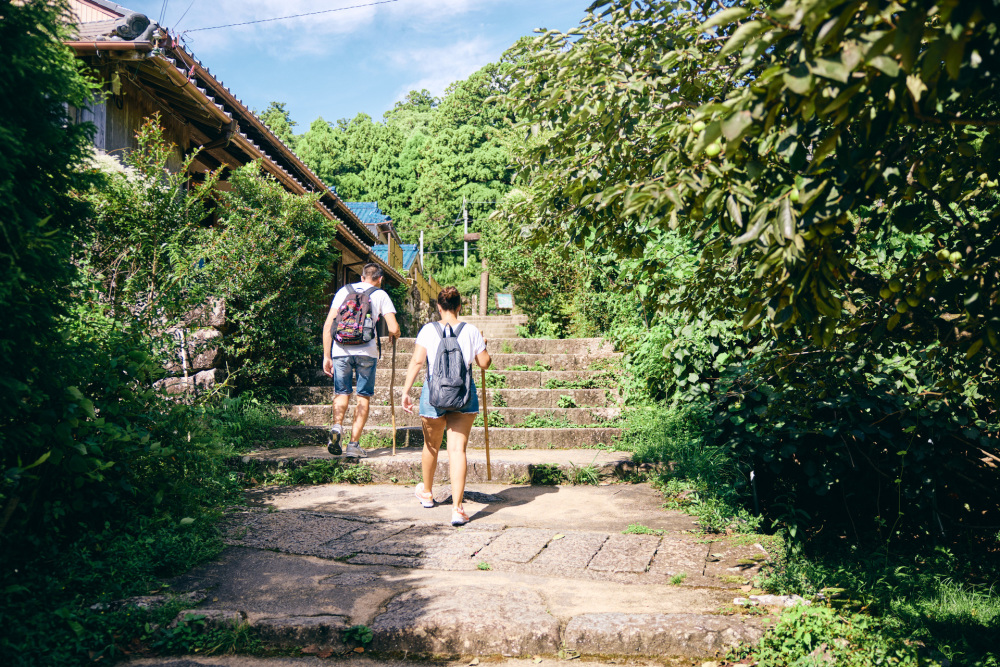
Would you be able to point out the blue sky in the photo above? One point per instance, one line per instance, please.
(338, 64)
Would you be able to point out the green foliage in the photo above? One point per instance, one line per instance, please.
(143, 247)
(943, 598)
(546, 474)
(43, 159)
(373, 440)
(567, 401)
(827, 184)
(695, 476)
(639, 529)
(47, 614)
(596, 381)
(483, 565)
(588, 474)
(321, 471)
(499, 401)
(495, 380)
(269, 259)
(358, 634)
(819, 635)
(279, 120)
(496, 419)
(535, 420)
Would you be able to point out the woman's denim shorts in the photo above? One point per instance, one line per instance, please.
(429, 411)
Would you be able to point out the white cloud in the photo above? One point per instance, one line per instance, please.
(435, 68)
(311, 34)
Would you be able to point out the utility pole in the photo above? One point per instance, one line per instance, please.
(465, 219)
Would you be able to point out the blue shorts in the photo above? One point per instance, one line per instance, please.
(344, 369)
(429, 411)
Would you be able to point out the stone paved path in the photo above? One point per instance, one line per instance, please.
(538, 569)
(541, 568)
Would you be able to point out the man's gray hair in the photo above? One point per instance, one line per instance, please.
(372, 272)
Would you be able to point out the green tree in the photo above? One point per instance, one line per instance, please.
(834, 165)
(279, 120)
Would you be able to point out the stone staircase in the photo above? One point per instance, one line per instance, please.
(568, 553)
(556, 396)
(497, 326)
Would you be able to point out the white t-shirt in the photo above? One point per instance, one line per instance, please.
(381, 304)
(470, 341)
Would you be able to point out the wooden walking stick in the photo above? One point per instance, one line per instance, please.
(486, 426)
(392, 396)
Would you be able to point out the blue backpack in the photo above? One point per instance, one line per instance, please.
(450, 385)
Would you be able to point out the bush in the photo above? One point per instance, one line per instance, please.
(270, 260)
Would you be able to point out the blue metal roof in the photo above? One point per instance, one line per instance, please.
(369, 213)
(410, 252)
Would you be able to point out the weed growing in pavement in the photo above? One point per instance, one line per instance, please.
(321, 471)
(193, 634)
(588, 474)
(600, 380)
(678, 579)
(495, 380)
(499, 401)
(483, 565)
(496, 420)
(373, 440)
(546, 474)
(534, 420)
(639, 529)
(358, 634)
(505, 348)
(537, 366)
(516, 447)
(520, 479)
(566, 401)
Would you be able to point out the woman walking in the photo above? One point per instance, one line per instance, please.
(457, 421)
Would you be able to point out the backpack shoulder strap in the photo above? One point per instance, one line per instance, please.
(440, 331)
(368, 292)
(458, 329)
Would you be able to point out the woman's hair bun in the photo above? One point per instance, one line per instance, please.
(450, 299)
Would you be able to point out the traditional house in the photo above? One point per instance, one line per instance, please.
(144, 70)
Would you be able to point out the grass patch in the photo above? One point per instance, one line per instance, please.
(588, 474)
(534, 420)
(483, 565)
(537, 366)
(944, 598)
(320, 471)
(499, 401)
(373, 440)
(678, 579)
(639, 529)
(600, 380)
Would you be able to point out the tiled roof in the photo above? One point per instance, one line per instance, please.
(382, 252)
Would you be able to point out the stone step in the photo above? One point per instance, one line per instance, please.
(500, 438)
(507, 379)
(592, 346)
(556, 362)
(515, 398)
(526, 466)
(381, 415)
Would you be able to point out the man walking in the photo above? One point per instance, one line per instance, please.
(350, 351)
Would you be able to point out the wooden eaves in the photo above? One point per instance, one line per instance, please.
(220, 122)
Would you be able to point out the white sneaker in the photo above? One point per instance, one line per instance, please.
(425, 497)
(459, 517)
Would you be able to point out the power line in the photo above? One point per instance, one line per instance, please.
(163, 11)
(183, 15)
(295, 16)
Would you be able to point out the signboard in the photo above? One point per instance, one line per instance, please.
(505, 301)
